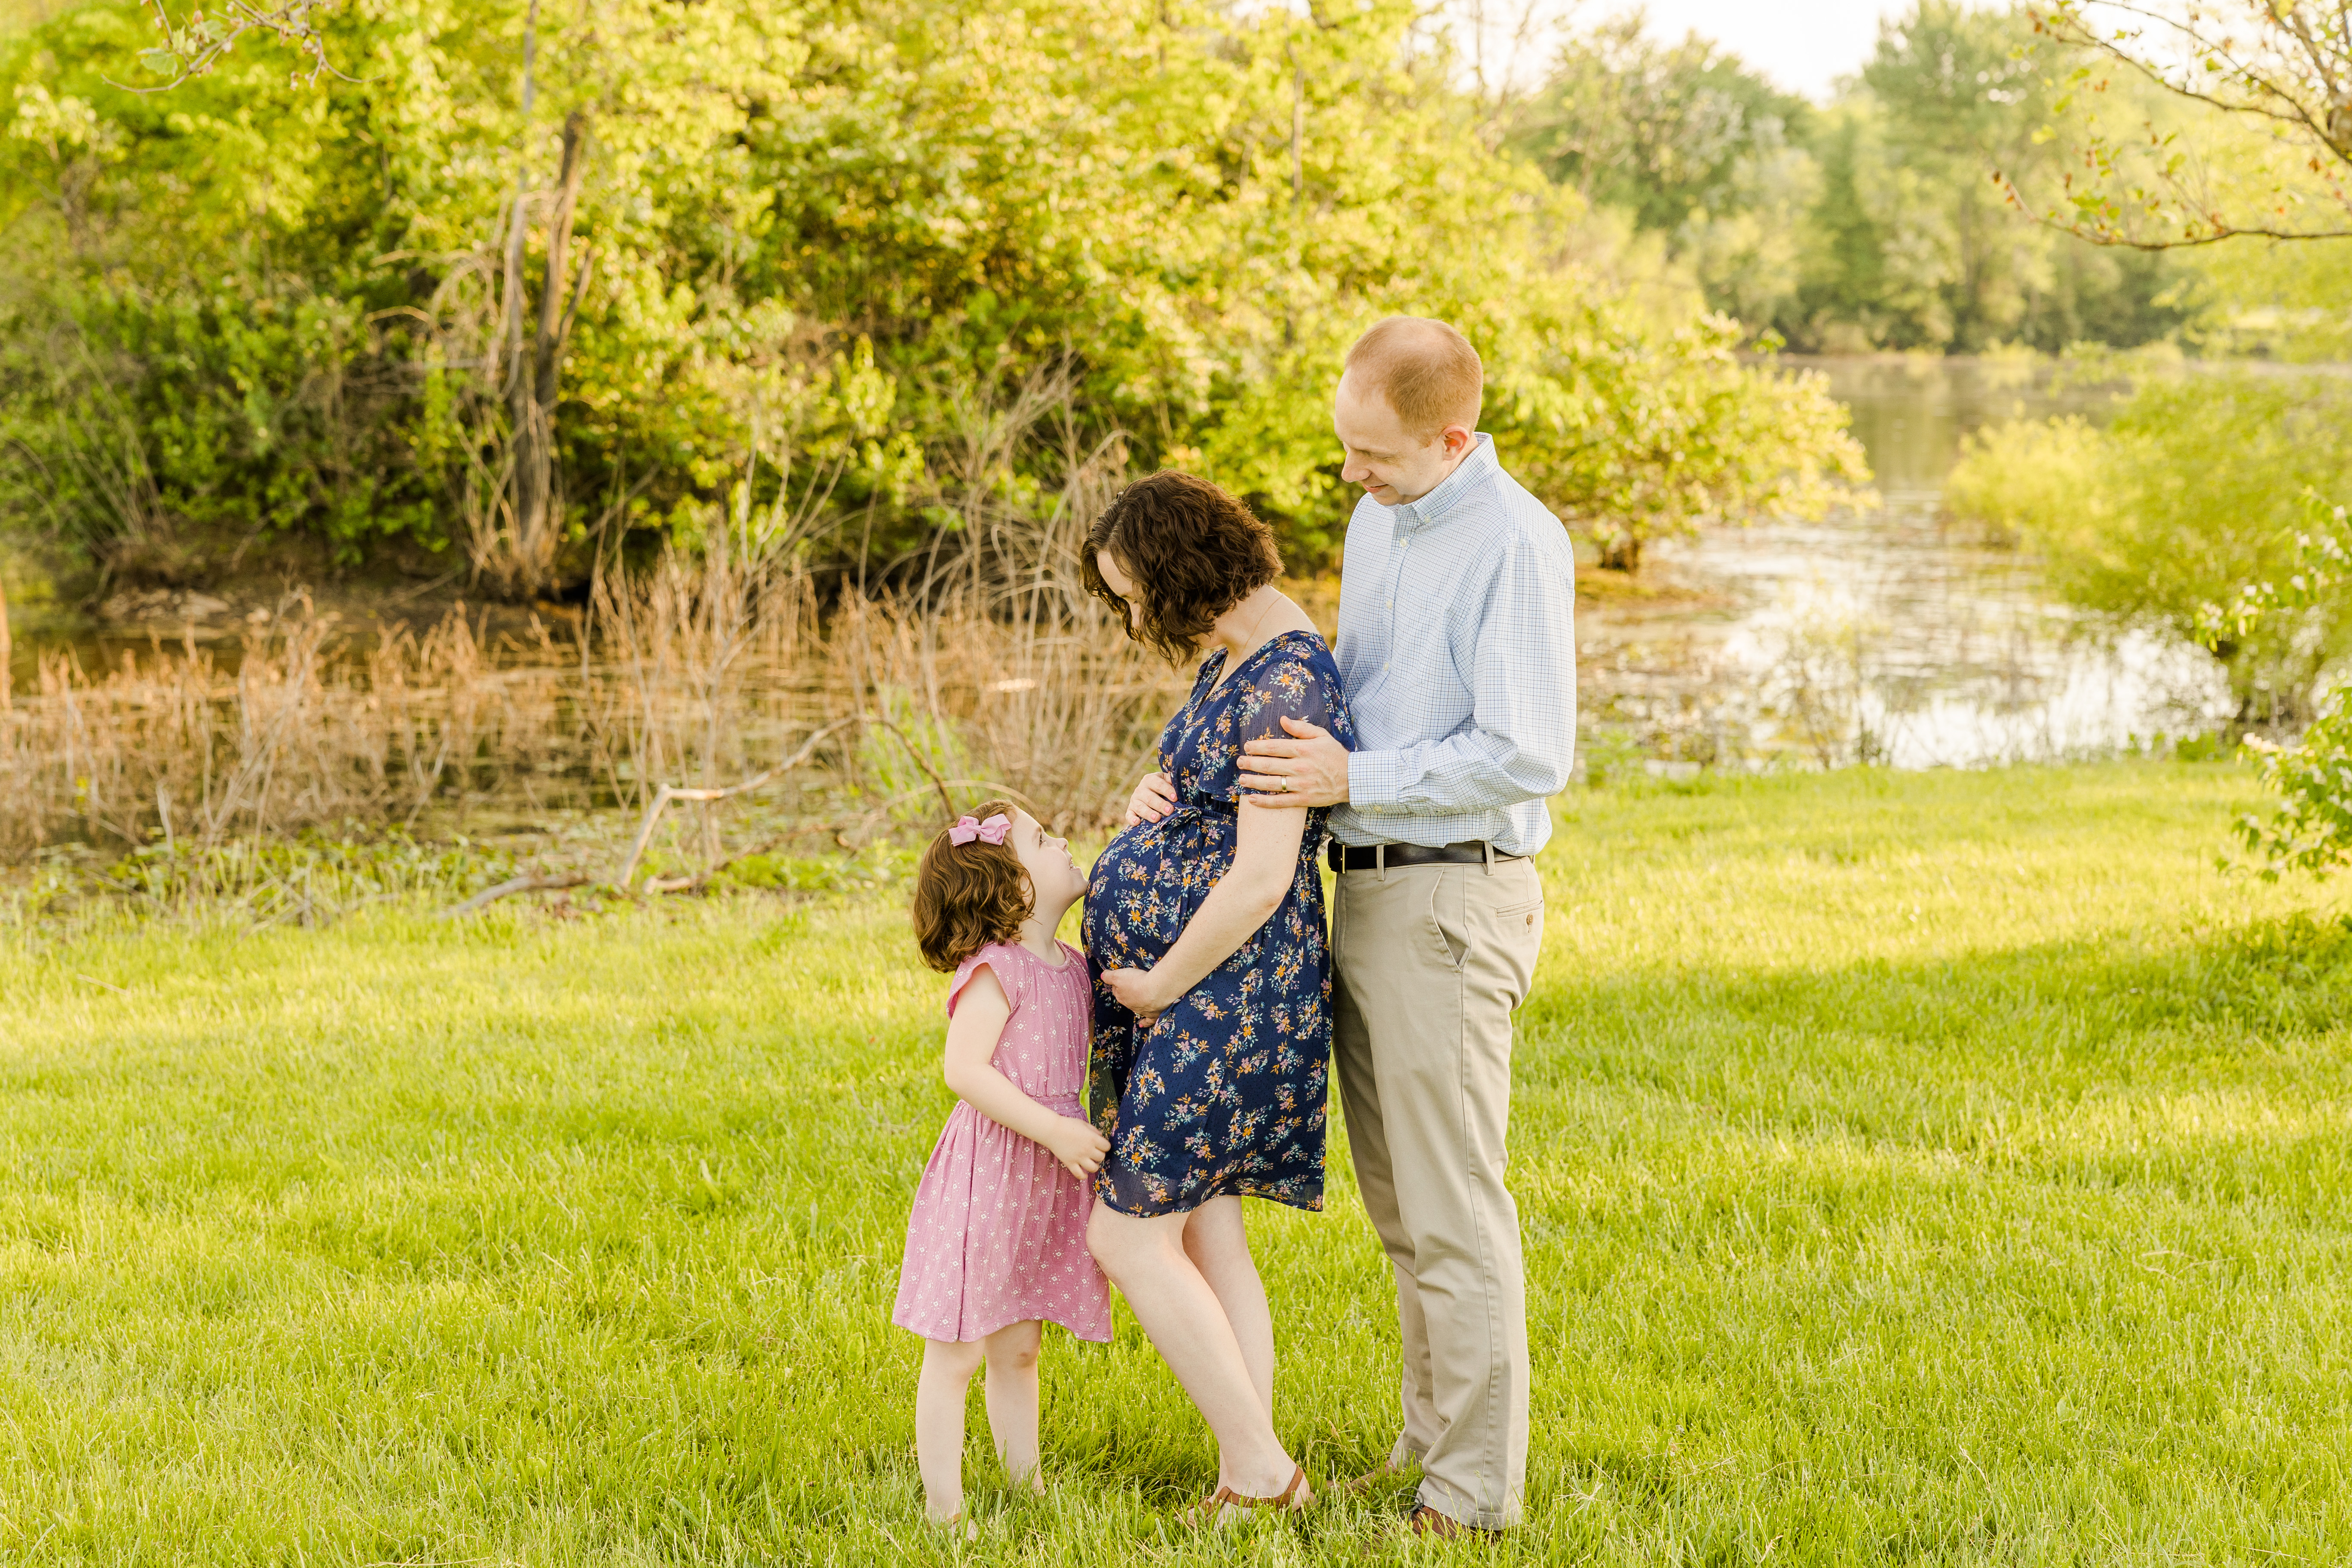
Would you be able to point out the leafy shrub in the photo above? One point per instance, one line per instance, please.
(2029, 479)
(157, 435)
(2311, 831)
(2198, 487)
(888, 274)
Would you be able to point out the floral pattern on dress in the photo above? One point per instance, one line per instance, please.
(1226, 1094)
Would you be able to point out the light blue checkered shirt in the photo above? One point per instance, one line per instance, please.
(1457, 645)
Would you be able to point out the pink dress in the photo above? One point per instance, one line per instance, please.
(998, 1234)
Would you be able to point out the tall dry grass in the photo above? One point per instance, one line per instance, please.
(700, 672)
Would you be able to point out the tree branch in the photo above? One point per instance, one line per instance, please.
(2284, 74)
(192, 48)
(489, 896)
(670, 793)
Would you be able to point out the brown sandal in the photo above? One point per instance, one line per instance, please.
(1211, 1509)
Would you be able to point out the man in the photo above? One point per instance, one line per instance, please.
(1458, 648)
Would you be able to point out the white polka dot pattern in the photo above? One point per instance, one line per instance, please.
(998, 1234)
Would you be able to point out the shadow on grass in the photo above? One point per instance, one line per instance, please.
(2169, 1051)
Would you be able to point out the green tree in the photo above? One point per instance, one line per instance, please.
(1691, 145)
(2234, 124)
(1660, 129)
(251, 306)
(1839, 301)
(1875, 222)
(1952, 97)
(867, 290)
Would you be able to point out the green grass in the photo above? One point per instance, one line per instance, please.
(1945, 1168)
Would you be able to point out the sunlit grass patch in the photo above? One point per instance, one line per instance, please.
(1946, 1167)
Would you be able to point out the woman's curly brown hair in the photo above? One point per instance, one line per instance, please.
(1192, 550)
(969, 895)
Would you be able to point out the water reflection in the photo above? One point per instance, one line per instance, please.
(1884, 633)
(1880, 634)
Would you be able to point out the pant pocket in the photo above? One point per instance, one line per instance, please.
(1519, 941)
(1453, 937)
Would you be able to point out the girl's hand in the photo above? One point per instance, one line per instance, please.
(1138, 993)
(1152, 799)
(1078, 1146)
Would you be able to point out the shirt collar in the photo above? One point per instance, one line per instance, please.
(1476, 465)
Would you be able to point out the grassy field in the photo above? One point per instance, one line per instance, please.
(1941, 1168)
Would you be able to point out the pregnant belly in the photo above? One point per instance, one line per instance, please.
(1146, 883)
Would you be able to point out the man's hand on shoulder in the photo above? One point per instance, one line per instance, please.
(1310, 769)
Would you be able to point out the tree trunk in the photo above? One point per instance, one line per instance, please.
(1622, 553)
(535, 372)
(524, 361)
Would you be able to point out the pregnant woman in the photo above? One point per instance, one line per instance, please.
(1204, 928)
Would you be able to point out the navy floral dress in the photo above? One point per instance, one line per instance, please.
(1224, 1094)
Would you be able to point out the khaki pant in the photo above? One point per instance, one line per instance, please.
(1432, 961)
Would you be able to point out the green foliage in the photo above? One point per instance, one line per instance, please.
(157, 435)
(2276, 301)
(1667, 132)
(1876, 222)
(2235, 123)
(862, 281)
(2311, 831)
(2199, 485)
(2022, 478)
(308, 879)
(256, 291)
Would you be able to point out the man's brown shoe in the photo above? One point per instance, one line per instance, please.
(1427, 1521)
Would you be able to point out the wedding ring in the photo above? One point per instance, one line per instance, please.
(1285, 784)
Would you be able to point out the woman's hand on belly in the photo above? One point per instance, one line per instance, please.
(1138, 991)
(1265, 862)
(1154, 798)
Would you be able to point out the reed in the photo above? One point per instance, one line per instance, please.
(699, 673)
(983, 667)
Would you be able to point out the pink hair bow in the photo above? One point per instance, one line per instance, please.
(992, 831)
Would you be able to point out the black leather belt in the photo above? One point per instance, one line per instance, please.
(1353, 858)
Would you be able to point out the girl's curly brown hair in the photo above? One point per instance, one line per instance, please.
(1193, 552)
(969, 895)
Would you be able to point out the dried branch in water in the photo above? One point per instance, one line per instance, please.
(489, 896)
(670, 793)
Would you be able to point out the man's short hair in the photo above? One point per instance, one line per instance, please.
(1428, 372)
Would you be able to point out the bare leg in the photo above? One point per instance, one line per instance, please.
(1218, 1244)
(939, 1393)
(1012, 1391)
(1146, 1258)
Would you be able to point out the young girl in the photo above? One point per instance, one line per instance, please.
(997, 1241)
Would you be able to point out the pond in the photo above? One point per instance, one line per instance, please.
(1885, 632)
